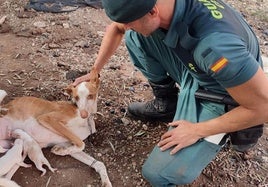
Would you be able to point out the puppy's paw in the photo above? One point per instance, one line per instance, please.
(22, 164)
(107, 183)
(51, 168)
(58, 150)
(44, 171)
(66, 150)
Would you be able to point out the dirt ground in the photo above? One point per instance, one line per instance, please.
(40, 54)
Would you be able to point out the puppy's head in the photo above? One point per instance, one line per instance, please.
(85, 94)
(18, 142)
(17, 133)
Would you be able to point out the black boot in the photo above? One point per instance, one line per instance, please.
(245, 139)
(162, 108)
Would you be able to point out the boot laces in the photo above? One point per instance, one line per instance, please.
(156, 104)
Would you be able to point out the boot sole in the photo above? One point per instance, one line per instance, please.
(155, 119)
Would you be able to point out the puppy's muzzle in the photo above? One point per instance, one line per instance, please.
(83, 114)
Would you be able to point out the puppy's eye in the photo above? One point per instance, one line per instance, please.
(90, 97)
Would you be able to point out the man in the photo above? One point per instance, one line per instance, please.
(198, 44)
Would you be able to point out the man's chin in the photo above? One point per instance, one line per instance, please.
(146, 35)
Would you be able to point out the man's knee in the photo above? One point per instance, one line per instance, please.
(169, 177)
(152, 176)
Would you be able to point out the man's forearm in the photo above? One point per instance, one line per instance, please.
(234, 120)
(110, 43)
(253, 110)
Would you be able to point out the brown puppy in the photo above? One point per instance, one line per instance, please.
(58, 123)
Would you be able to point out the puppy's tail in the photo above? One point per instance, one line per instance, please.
(3, 94)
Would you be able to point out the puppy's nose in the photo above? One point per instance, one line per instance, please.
(83, 114)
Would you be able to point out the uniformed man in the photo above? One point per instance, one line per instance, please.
(200, 45)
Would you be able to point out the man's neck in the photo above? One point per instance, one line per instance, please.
(166, 9)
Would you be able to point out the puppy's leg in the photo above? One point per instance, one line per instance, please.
(45, 162)
(13, 170)
(8, 183)
(40, 168)
(97, 165)
(65, 149)
(22, 164)
(55, 122)
(91, 124)
(36, 155)
(39, 160)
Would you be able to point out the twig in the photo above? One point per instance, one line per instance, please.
(48, 181)
(112, 146)
(100, 114)
(9, 81)
(3, 19)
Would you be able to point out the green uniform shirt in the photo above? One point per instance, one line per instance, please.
(226, 58)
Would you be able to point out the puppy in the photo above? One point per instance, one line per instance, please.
(12, 157)
(7, 183)
(33, 150)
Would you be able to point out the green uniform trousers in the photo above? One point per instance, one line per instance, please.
(156, 61)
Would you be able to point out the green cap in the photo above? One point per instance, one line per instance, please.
(125, 11)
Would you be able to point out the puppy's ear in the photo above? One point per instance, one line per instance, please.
(69, 89)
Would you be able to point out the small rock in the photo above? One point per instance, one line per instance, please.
(145, 127)
(125, 121)
(66, 25)
(38, 31)
(81, 44)
(53, 46)
(266, 32)
(40, 24)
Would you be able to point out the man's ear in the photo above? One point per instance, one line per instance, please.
(154, 11)
(69, 89)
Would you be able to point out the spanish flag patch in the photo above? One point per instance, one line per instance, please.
(219, 64)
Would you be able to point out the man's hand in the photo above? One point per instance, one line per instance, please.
(91, 76)
(183, 135)
(81, 79)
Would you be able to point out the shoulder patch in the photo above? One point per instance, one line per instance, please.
(219, 64)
